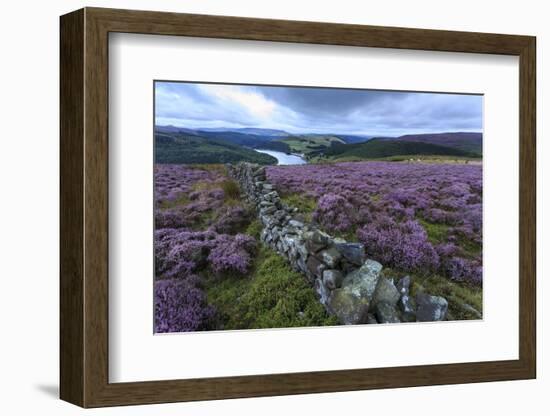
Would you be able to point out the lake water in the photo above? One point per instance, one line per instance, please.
(283, 158)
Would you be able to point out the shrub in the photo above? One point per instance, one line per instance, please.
(231, 189)
(180, 306)
(334, 212)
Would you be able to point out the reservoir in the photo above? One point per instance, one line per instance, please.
(283, 158)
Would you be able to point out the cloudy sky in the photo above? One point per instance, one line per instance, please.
(315, 110)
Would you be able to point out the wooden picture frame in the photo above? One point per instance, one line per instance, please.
(84, 207)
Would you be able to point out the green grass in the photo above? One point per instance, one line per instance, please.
(231, 189)
(254, 229)
(470, 248)
(306, 205)
(272, 296)
(457, 294)
(179, 201)
(437, 233)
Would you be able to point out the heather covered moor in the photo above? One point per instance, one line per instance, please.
(279, 207)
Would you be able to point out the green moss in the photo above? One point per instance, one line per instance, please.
(306, 205)
(469, 248)
(254, 229)
(437, 233)
(273, 296)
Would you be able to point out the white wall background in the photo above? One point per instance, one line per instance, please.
(29, 206)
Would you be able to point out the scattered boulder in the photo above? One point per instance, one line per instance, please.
(386, 313)
(332, 278)
(430, 308)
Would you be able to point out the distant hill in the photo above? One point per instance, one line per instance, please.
(191, 149)
(384, 148)
(307, 143)
(351, 138)
(251, 130)
(469, 142)
(248, 140)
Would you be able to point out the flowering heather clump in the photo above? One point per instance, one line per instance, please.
(197, 222)
(400, 211)
(232, 219)
(232, 253)
(334, 212)
(180, 306)
(180, 253)
(404, 246)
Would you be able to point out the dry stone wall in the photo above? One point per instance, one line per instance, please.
(348, 284)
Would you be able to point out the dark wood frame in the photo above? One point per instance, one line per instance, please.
(84, 208)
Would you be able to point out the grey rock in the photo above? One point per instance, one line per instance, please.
(317, 240)
(288, 242)
(271, 196)
(267, 187)
(301, 264)
(296, 224)
(352, 252)
(472, 310)
(407, 309)
(322, 291)
(385, 292)
(315, 267)
(330, 257)
(279, 215)
(371, 319)
(289, 230)
(268, 210)
(364, 280)
(403, 285)
(386, 313)
(259, 171)
(301, 249)
(430, 308)
(332, 278)
(350, 303)
(348, 308)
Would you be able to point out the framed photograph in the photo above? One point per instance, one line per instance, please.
(257, 207)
